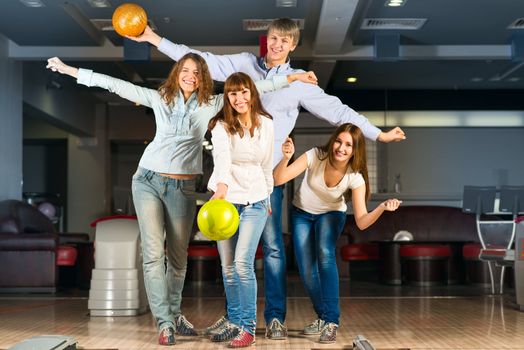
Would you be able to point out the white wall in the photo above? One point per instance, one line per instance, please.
(435, 163)
(440, 161)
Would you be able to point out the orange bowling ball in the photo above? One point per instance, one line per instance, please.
(129, 19)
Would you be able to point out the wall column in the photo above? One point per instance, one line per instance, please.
(10, 125)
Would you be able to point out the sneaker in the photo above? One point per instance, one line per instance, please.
(242, 340)
(329, 333)
(314, 328)
(228, 332)
(216, 327)
(276, 330)
(166, 336)
(183, 326)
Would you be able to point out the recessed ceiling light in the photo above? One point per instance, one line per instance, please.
(286, 3)
(395, 3)
(32, 3)
(351, 80)
(99, 3)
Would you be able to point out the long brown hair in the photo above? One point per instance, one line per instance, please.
(237, 82)
(357, 162)
(170, 87)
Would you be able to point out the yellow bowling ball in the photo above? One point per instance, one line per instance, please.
(218, 219)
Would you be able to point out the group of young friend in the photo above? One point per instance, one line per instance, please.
(250, 123)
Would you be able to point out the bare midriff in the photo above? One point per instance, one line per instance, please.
(179, 176)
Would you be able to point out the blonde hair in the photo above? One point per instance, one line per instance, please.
(285, 27)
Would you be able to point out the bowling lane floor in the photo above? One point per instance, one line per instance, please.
(447, 317)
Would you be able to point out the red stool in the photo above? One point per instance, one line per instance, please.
(66, 256)
(203, 263)
(359, 252)
(362, 259)
(425, 264)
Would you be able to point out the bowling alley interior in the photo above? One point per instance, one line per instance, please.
(444, 270)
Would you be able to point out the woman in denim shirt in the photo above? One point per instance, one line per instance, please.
(164, 182)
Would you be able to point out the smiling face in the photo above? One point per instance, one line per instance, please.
(189, 77)
(279, 46)
(343, 147)
(240, 100)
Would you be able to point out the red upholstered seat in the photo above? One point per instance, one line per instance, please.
(203, 251)
(66, 255)
(425, 251)
(471, 251)
(359, 251)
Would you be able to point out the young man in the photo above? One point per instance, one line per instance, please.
(284, 105)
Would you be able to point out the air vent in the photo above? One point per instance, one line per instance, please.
(262, 24)
(517, 24)
(393, 23)
(106, 25)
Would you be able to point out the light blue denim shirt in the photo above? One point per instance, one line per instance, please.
(283, 105)
(180, 127)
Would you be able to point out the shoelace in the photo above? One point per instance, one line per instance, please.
(218, 323)
(226, 332)
(182, 320)
(275, 324)
(330, 327)
(317, 323)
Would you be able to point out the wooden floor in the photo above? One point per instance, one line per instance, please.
(389, 322)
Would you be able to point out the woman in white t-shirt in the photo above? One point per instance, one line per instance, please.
(335, 173)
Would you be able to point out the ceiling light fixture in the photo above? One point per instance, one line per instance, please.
(99, 3)
(286, 3)
(395, 3)
(351, 80)
(32, 3)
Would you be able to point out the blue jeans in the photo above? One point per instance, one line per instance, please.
(237, 256)
(165, 209)
(274, 260)
(315, 238)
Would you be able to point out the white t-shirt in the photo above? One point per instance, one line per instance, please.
(314, 196)
(244, 164)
